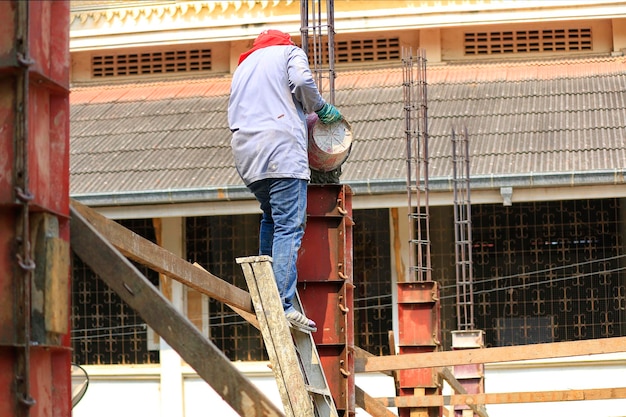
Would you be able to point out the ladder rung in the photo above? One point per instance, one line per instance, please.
(316, 390)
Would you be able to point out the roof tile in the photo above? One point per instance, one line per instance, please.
(523, 118)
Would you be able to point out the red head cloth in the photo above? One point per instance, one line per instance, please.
(269, 37)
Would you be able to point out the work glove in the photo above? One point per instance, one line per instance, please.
(329, 114)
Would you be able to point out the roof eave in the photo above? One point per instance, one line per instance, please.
(360, 187)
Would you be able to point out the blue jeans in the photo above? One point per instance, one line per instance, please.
(283, 202)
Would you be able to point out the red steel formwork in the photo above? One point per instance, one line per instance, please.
(326, 287)
(35, 355)
(419, 319)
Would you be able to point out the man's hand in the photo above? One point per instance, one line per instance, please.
(329, 114)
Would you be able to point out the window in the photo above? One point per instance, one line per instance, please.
(214, 242)
(552, 271)
(105, 330)
(373, 308)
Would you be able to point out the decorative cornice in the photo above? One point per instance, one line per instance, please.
(84, 12)
(114, 23)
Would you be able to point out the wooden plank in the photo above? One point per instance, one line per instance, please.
(446, 374)
(374, 407)
(277, 336)
(506, 397)
(249, 317)
(361, 353)
(489, 355)
(161, 260)
(197, 350)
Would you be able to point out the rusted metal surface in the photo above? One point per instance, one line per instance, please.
(34, 194)
(462, 231)
(326, 288)
(419, 332)
(45, 69)
(196, 349)
(414, 88)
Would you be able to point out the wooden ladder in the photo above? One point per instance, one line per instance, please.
(295, 362)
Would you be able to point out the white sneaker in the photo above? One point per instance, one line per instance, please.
(300, 321)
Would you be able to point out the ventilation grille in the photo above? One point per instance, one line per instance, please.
(362, 50)
(145, 63)
(366, 50)
(528, 41)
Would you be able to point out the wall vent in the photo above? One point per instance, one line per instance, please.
(363, 50)
(146, 63)
(367, 50)
(528, 41)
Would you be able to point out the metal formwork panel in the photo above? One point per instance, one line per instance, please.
(46, 102)
(35, 348)
(419, 332)
(326, 288)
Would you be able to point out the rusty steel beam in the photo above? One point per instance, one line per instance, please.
(490, 355)
(161, 260)
(197, 350)
(507, 397)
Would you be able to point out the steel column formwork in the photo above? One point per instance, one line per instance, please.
(418, 298)
(326, 288)
(35, 350)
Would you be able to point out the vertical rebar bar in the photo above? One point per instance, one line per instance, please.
(462, 231)
(416, 131)
(318, 42)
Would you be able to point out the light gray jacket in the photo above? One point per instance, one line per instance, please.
(272, 91)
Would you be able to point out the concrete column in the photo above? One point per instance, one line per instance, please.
(170, 235)
(430, 40)
(619, 35)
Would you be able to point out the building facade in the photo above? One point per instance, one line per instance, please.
(539, 86)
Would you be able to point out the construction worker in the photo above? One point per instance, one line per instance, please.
(272, 91)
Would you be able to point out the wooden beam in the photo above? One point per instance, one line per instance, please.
(196, 349)
(489, 355)
(506, 397)
(446, 374)
(359, 352)
(373, 407)
(161, 260)
(249, 317)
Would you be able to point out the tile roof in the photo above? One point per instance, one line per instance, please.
(523, 119)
